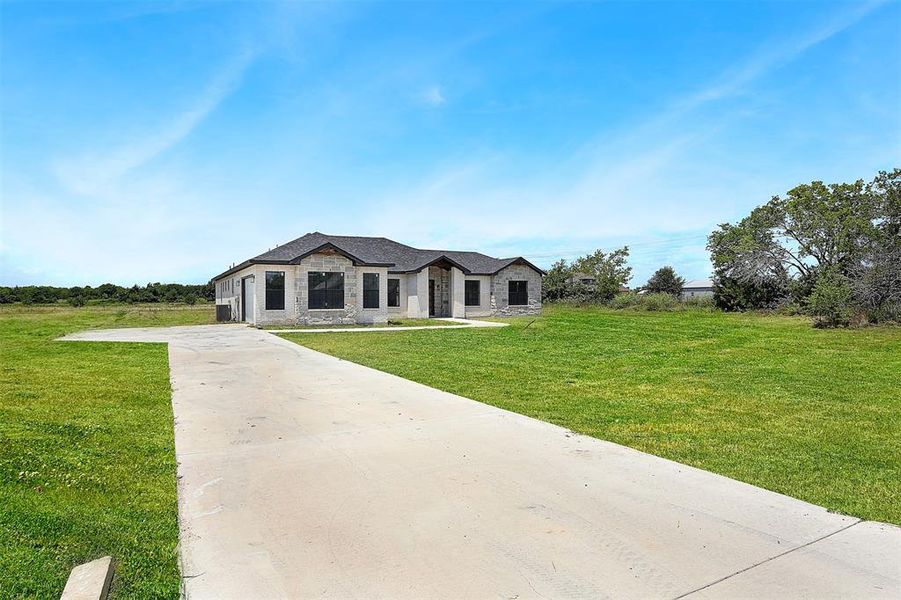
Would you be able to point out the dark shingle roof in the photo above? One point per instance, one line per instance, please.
(382, 252)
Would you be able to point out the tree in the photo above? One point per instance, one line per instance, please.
(556, 282)
(831, 299)
(788, 242)
(665, 280)
(876, 282)
(610, 271)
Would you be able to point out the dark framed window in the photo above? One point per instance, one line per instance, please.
(471, 294)
(326, 290)
(275, 290)
(517, 293)
(394, 292)
(370, 290)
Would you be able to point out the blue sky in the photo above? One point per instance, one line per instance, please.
(163, 141)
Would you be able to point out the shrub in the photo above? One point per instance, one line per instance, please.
(831, 302)
(658, 302)
(699, 302)
(649, 302)
(625, 300)
(77, 301)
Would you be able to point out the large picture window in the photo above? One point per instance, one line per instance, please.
(275, 290)
(394, 292)
(517, 293)
(472, 292)
(326, 290)
(370, 290)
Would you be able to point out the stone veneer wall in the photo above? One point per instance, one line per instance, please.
(442, 291)
(329, 263)
(500, 289)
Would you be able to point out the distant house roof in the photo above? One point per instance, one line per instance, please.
(698, 284)
(380, 252)
(580, 275)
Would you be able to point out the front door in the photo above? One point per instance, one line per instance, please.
(431, 297)
(247, 300)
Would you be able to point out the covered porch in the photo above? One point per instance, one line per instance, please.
(437, 290)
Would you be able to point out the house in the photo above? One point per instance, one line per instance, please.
(336, 279)
(586, 279)
(698, 288)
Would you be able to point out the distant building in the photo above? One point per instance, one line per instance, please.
(698, 288)
(586, 279)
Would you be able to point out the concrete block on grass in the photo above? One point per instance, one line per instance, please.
(89, 581)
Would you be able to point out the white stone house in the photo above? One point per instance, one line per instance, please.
(332, 279)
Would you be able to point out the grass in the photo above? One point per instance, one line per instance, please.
(87, 464)
(393, 322)
(814, 414)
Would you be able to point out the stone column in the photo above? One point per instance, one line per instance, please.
(457, 293)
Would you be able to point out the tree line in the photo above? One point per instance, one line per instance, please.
(829, 251)
(108, 292)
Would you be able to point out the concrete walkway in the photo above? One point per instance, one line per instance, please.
(302, 475)
(460, 324)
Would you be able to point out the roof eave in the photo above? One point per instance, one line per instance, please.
(247, 263)
(521, 261)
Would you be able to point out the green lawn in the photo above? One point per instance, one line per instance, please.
(815, 414)
(87, 464)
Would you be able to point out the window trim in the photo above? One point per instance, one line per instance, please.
(370, 293)
(478, 292)
(272, 293)
(397, 305)
(325, 292)
(525, 292)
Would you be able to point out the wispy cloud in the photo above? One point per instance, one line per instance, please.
(432, 95)
(603, 191)
(773, 55)
(93, 173)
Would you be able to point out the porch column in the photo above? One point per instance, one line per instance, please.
(418, 294)
(457, 293)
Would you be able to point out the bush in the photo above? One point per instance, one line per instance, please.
(730, 293)
(658, 302)
(649, 302)
(831, 302)
(77, 301)
(625, 300)
(699, 302)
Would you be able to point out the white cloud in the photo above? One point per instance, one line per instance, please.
(95, 172)
(432, 96)
(655, 176)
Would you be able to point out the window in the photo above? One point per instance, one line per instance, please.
(471, 295)
(326, 290)
(370, 290)
(517, 293)
(394, 292)
(275, 290)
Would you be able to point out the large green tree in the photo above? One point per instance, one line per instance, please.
(665, 281)
(609, 270)
(849, 229)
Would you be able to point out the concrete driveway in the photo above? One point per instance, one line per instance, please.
(302, 475)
